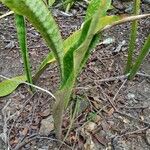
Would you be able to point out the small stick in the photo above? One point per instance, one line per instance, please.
(119, 90)
(143, 74)
(113, 78)
(135, 132)
(127, 19)
(131, 117)
(31, 138)
(7, 14)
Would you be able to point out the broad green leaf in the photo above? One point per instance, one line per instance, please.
(145, 50)
(72, 39)
(92, 8)
(76, 55)
(40, 17)
(21, 32)
(8, 86)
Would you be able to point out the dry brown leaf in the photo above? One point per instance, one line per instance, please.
(16, 141)
(25, 131)
(110, 112)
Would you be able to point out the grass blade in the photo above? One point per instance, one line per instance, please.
(134, 27)
(145, 50)
(21, 32)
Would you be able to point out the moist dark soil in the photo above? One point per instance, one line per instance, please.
(118, 109)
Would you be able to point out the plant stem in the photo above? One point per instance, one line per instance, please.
(134, 27)
(145, 50)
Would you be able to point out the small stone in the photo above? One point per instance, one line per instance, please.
(129, 9)
(119, 47)
(90, 126)
(10, 45)
(146, 1)
(148, 136)
(131, 96)
(108, 41)
(47, 125)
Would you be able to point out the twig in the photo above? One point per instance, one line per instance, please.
(113, 78)
(127, 19)
(143, 75)
(108, 99)
(136, 107)
(7, 14)
(71, 120)
(135, 132)
(132, 132)
(31, 138)
(119, 90)
(131, 117)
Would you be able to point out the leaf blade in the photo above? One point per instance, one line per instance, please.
(21, 33)
(8, 86)
(145, 50)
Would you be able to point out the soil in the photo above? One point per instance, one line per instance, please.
(125, 128)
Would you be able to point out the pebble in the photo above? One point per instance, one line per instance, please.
(47, 125)
(90, 126)
(131, 96)
(146, 1)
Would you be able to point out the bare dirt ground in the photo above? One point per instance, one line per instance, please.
(114, 114)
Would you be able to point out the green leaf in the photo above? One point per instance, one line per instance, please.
(145, 50)
(74, 60)
(69, 58)
(51, 2)
(21, 32)
(95, 5)
(72, 39)
(8, 86)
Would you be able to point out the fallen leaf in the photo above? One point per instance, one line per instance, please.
(110, 112)
(25, 131)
